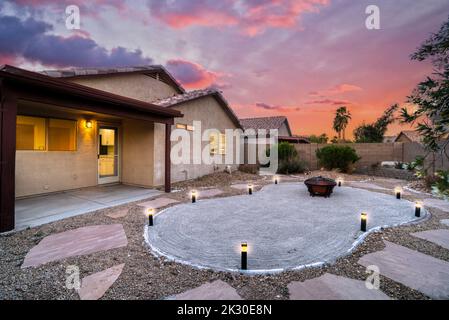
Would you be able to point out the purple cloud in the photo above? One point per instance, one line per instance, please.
(266, 106)
(32, 42)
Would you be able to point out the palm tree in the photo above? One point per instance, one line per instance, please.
(341, 121)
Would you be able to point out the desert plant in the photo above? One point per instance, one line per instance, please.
(294, 165)
(337, 157)
(441, 185)
(249, 168)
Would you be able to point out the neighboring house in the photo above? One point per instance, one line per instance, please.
(408, 136)
(63, 130)
(389, 139)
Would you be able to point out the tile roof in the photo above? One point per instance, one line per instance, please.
(82, 72)
(264, 123)
(413, 135)
(197, 94)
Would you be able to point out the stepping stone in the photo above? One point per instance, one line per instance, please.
(445, 222)
(158, 203)
(332, 287)
(416, 270)
(208, 193)
(77, 242)
(437, 203)
(217, 290)
(118, 214)
(93, 287)
(439, 237)
(242, 186)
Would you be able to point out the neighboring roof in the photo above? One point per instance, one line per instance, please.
(266, 123)
(62, 86)
(387, 139)
(294, 139)
(197, 94)
(155, 71)
(412, 135)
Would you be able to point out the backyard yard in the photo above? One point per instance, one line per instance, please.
(299, 247)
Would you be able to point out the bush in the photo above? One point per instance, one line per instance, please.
(441, 185)
(291, 166)
(337, 157)
(249, 168)
(286, 151)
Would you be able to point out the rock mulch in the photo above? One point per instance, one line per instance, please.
(142, 274)
(217, 290)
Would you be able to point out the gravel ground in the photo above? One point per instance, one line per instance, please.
(146, 277)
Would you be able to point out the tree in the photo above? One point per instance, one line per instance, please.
(431, 96)
(374, 132)
(341, 121)
(321, 139)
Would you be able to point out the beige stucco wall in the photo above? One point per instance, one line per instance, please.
(136, 86)
(137, 153)
(40, 172)
(212, 116)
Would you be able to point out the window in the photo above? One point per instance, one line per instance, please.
(30, 133)
(34, 133)
(217, 143)
(61, 135)
(184, 126)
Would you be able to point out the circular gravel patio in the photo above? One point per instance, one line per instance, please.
(285, 228)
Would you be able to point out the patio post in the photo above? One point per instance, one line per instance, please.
(167, 158)
(8, 112)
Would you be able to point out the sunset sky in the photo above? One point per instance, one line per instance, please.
(300, 58)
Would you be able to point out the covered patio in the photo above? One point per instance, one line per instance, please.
(44, 171)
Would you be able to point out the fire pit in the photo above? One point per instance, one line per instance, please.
(319, 186)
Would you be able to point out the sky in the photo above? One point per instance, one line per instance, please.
(298, 58)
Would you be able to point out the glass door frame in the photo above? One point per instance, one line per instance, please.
(117, 154)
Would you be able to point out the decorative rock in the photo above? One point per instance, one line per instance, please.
(77, 242)
(445, 222)
(94, 286)
(332, 287)
(158, 203)
(416, 270)
(118, 214)
(439, 237)
(217, 290)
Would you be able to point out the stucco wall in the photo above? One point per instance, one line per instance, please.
(136, 86)
(137, 153)
(283, 131)
(212, 116)
(40, 172)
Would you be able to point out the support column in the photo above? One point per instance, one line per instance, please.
(167, 157)
(8, 113)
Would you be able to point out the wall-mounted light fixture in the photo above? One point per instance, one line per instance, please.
(88, 124)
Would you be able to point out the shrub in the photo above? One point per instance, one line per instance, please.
(249, 168)
(291, 166)
(337, 157)
(441, 185)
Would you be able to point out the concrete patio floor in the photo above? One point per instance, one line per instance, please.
(35, 211)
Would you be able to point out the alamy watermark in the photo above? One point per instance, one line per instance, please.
(372, 282)
(73, 17)
(372, 22)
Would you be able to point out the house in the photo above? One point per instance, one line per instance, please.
(70, 129)
(408, 136)
(389, 139)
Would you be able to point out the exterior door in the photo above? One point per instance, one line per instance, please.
(108, 155)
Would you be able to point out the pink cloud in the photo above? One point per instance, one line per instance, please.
(343, 88)
(266, 106)
(329, 102)
(191, 75)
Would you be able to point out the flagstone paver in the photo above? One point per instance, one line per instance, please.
(209, 193)
(437, 203)
(158, 203)
(217, 290)
(445, 222)
(416, 270)
(439, 237)
(118, 214)
(332, 287)
(76, 242)
(94, 286)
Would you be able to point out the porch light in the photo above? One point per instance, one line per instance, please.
(150, 212)
(250, 188)
(276, 179)
(418, 206)
(244, 252)
(363, 218)
(88, 124)
(398, 191)
(193, 195)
